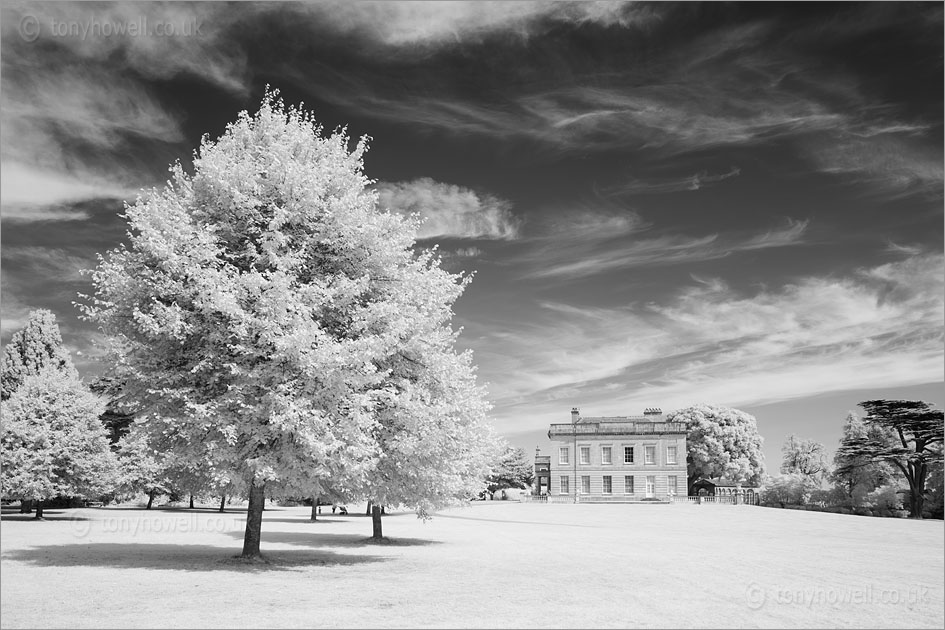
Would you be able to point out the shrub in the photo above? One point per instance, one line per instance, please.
(885, 500)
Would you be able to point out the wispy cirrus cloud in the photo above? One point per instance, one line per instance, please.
(29, 194)
(906, 250)
(881, 326)
(14, 311)
(791, 234)
(577, 255)
(895, 161)
(182, 38)
(693, 96)
(65, 129)
(56, 264)
(737, 83)
(45, 277)
(451, 211)
(412, 24)
(673, 117)
(665, 118)
(590, 224)
(670, 185)
(80, 120)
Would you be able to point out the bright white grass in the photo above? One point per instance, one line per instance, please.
(491, 565)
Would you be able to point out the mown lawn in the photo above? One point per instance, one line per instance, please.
(503, 565)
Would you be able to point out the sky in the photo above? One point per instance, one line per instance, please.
(664, 204)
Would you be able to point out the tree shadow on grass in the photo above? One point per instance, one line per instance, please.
(505, 520)
(327, 517)
(200, 558)
(47, 516)
(174, 508)
(306, 539)
(299, 520)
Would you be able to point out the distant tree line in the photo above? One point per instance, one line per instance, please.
(888, 463)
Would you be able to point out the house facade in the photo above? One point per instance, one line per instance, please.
(622, 458)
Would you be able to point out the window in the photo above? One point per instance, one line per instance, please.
(627, 454)
(565, 489)
(670, 454)
(608, 485)
(628, 484)
(563, 455)
(671, 484)
(605, 457)
(586, 484)
(649, 454)
(585, 455)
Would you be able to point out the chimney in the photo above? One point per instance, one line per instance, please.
(653, 413)
(575, 415)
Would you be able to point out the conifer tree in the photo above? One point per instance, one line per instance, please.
(35, 347)
(855, 476)
(912, 438)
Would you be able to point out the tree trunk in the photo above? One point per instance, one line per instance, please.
(916, 487)
(257, 498)
(915, 509)
(376, 521)
(918, 497)
(370, 504)
(314, 508)
(26, 506)
(191, 502)
(150, 499)
(917, 493)
(39, 509)
(223, 503)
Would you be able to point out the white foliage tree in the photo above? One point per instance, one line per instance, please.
(261, 306)
(805, 457)
(722, 442)
(435, 448)
(36, 347)
(53, 443)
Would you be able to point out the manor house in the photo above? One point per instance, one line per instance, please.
(622, 458)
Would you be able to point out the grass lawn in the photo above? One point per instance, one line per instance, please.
(493, 564)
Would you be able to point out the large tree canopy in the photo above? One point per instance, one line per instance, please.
(52, 442)
(910, 439)
(266, 312)
(31, 350)
(722, 442)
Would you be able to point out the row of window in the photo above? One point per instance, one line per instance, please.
(606, 455)
(672, 484)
